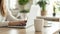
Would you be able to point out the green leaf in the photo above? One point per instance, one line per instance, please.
(42, 4)
(23, 2)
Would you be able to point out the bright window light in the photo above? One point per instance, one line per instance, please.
(12, 4)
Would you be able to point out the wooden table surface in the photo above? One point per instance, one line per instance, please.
(31, 30)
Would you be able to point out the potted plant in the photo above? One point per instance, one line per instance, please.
(23, 11)
(42, 4)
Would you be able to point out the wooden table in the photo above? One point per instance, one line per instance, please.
(49, 18)
(31, 30)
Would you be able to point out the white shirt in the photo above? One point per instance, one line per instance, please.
(9, 17)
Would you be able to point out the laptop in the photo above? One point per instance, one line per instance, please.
(31, 16)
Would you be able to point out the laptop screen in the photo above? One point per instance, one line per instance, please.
(32, 15)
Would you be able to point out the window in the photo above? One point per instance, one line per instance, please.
(57, 6)
(11, 4)
(49, 7)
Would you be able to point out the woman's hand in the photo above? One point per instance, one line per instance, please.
(17, 23)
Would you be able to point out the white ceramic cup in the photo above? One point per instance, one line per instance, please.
(39, 24)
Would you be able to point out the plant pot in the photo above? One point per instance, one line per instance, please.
(54, 14)
(43, 13)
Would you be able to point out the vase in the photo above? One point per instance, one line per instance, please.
(54, 14)
(43, 13)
